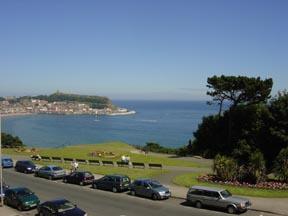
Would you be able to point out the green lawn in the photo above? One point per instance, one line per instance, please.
(118, 148)
(104, 170)
(190, 179)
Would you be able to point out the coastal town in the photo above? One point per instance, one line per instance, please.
(10, 106)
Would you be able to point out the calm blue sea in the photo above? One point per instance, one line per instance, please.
(169, 123)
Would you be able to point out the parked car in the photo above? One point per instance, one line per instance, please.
(21, 198)
(50, 172)
(149, 188)
(25, 166)
(59, 207)
(79, 177)
(4, 188)
(218, 198)
(114, 183)
(7, 162)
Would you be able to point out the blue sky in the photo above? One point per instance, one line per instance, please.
(152, 49)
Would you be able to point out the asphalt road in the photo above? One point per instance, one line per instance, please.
(105, 203)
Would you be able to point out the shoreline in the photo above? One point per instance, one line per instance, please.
(16, 114)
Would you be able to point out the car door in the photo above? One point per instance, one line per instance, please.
(41, 172)
(147, 190)
(47, 210)
(71, 178)
(101, 182)
(8, 195)
(13, 199)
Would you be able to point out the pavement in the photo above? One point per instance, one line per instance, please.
(276, 206)
(7, 211)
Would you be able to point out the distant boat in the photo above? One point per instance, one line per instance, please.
(122, 112)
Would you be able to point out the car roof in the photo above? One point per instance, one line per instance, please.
(57, 201)
(51, 166)
(207, 188)
(16, 189)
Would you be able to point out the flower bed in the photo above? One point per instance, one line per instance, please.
(263, 185)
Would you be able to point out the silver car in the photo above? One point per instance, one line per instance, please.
(218, 198)
(149, 188)
(50, 172)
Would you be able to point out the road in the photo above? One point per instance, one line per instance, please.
(104, 203)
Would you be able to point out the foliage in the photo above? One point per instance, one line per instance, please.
(239, 90)
(281, 165)
(155, 147)
(9, 141)
(225, 168)
(191, 179)
(94, 101)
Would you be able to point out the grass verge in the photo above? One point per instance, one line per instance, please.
(105, 170)
(190, 179)
(118, 148)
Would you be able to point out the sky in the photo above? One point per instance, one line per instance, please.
(132, 49)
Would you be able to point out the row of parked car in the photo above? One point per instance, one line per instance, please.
(197, 195)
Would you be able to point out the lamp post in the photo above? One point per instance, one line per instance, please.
(1, 177)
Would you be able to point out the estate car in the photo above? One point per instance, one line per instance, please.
(218, 198)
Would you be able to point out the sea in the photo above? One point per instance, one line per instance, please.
(168, 123)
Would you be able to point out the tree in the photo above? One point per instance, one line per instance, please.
(239, 90)
(281, 165)
(9, 141)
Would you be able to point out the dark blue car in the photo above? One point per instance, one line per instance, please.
(7, 162)
(59, 207)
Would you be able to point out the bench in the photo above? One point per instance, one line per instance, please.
(68, 159)
(154, 165)
(82, 161)
(138, 165)
(94, 162)
(45, 158)
(107, 163)
(57, 159)
(122, 164)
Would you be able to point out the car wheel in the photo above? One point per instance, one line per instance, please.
(50, 178)
(114, 190)
(25, 171)
(81, 183)
(40, 214)
(154, 197)
(132, 192)
(35, 174)
(19, 207)
(231, 210)
(94, 186)
(65, 180)
(198, 204)
(5, 201)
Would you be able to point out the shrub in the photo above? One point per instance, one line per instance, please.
(225, 168)
(281, 165)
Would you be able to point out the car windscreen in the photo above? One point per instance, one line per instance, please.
(87, 174)
(64, 206)
(225, 193)
(28, 163)
(7, 160)
(56, 168)
(155, 184)
(125, 179)
(24, 192)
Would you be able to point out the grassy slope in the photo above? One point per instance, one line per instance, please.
(190, 179)
(104, 170)
(118, 148)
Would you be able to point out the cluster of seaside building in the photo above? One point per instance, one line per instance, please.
(36, 106)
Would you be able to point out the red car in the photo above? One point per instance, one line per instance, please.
(79, 177)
